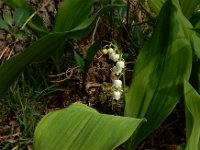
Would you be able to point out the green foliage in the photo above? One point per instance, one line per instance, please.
(71, 14)
(17, 3)
(24, 103)
(85, 64)
(90, 55)
(67, 19)
(156, 5)
(192, 103)
(196, 46)
(20, 15)
(13, 24)
(188, 7)
(4, 25)
(81, 127)
(39, 49)
(22, 99)
(161, 67)
(36, 23)
(8, 19)
(79, 60)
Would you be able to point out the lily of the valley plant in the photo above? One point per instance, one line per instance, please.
(117, 71)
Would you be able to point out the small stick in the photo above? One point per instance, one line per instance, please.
(95, 29)
(4, 51)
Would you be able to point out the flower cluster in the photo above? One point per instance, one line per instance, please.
(117, 70)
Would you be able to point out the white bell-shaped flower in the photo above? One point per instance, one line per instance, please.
(114, 57)
(116, 95)
(110, 50)
(117, 84)
(120, 64)
(116, 70)
(105, 51)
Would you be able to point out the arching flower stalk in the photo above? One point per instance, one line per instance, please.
(117, 71)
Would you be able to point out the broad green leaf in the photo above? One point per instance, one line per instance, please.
(196, 44)
(4, 25)
(80, 127)
(161, 67)
(71, 13)
(197, 30)
(188, 7)
(91, 21)
(7, 18)
(156, 5)
(67, 18)
(20, 16)
(78, 59)
(192, 106)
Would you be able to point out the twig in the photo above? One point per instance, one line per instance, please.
(24, 25)
(68, 77)
(4, 51)
(11, 51)
(95, 29)
(57, 75)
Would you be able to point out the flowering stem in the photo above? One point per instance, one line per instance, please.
(124, 83)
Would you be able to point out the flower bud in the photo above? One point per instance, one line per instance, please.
(105, 51)
(110, 50)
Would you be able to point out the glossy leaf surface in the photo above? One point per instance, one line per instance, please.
(156, 5)
(189, 6)
(71, 13)
(80, 127)
(192, 107)
(162, 65)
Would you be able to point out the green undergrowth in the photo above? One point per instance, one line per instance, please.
(24, 105)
